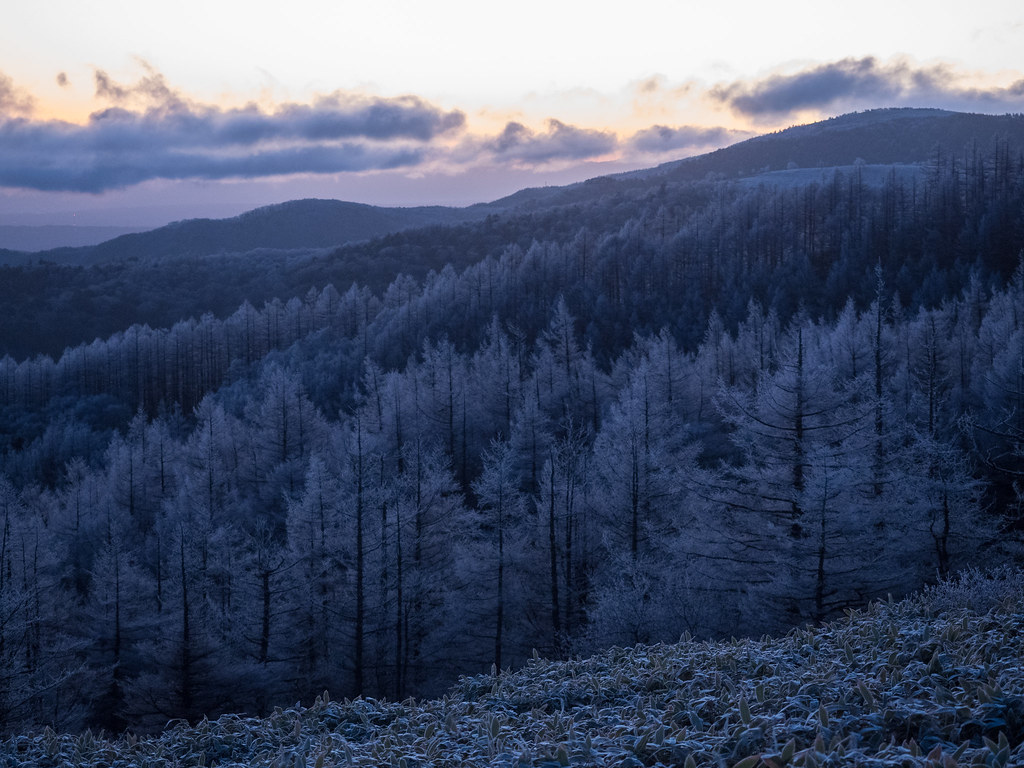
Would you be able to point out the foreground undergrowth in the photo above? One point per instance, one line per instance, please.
(936, 680)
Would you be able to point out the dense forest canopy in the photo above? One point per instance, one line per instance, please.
(625, 410)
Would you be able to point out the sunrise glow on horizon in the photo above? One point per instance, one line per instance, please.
(110, 107)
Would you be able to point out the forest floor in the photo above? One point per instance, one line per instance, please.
(934, 680)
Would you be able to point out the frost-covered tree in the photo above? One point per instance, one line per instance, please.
(792, 499)
(502, 512)
(314, 568)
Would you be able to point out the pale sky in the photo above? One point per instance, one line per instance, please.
(126, 112)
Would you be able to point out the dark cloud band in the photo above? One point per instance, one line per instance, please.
(517, 143)
(858, 82)
(148, 130)
(78, 171)
(662, 138)
(152, 131)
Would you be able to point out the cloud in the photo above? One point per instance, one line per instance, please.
(334, 116)
(341, 114)
(938, 85)
(658, 86)
(650, 85)
(151, 88)
(62, 79)
(152, 131)
(148, 130)
(866, 81)
(517, 143)
(46, 171)
(817, 87)
(661, 138)
(13, 101)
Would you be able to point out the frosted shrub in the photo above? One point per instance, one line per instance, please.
(975, 590)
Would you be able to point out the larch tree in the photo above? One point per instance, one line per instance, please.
(502, 509)
(315, 566)
(801, 436)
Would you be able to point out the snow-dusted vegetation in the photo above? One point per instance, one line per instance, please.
(621, 412)
(934, 681)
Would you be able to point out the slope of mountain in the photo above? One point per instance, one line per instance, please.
(884, 136)
(869, 175)
(42, 238)
(925, 682)
(898, 136)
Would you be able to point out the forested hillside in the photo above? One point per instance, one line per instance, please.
(704, 406)
(286, 226)
(927, 161)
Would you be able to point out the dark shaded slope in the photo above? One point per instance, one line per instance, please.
(883, 136)
(876, 137)
(298, 224)
(41, 238)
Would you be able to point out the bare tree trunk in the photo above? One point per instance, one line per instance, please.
(556, 623)
(360, 564)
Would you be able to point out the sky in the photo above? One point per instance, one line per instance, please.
(128, 113)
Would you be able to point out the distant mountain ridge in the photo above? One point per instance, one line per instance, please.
(890, 136)
(897, 136)
(47, 237)
(297, 224)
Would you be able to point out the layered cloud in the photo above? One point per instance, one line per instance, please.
(152, 104)
(663, 138)
(521, 145)
(863, 82)
(148, 130)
